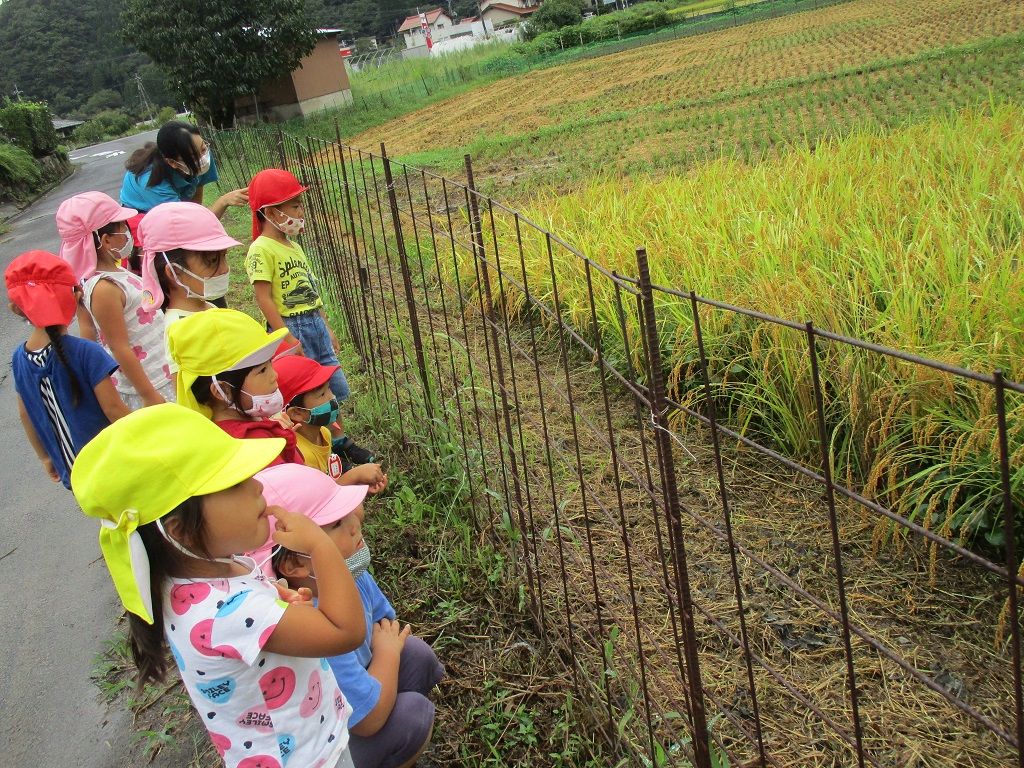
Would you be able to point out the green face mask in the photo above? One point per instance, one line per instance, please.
(324, 415)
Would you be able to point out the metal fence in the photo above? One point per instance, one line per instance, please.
(716, 601)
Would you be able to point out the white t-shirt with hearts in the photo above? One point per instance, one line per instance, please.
(263, 710)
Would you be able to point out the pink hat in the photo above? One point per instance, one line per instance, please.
(169, 226)
(78, 218)
(306, 490)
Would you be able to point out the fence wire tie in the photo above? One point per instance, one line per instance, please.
(675, 439)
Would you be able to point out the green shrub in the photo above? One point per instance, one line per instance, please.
(30, 126)
(19, 174)
(108, 124)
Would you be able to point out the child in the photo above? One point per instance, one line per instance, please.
(184, 262)
(280, 275)
(388, 678)
(63, 404)
(312, 407)
(225, 373)
(174, 514)
(95, 240)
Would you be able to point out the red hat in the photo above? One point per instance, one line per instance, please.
(272, 186)
(42, 285)
(297, 375)
(133, 226)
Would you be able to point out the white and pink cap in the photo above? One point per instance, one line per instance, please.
(170, 226)
(308, 491)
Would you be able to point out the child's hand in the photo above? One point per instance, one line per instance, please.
(289, 595)
(389, 634)
(50, 470)
(296, 531)
(283, 419)
(366, 474)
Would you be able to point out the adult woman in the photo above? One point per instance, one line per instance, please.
(174, 169)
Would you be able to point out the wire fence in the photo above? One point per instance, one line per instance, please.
(715, 601)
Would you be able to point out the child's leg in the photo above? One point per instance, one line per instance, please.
(405, 734)
(418, 668)
(311, 331)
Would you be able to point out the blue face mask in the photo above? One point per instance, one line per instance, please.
(324, 415)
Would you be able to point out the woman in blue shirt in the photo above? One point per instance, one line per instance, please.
(174, 169)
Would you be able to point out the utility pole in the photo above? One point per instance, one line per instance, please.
(144, 98)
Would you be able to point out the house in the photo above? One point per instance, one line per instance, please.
(319, 82)
(439, 23)
(499, 13)
(65, 127)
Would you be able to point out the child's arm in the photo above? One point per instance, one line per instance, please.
(366, 474)
(386, 647)
(265, 300)
(35, 442)
(336, 625)
(86, 327)
(110, 401)
(108, 309)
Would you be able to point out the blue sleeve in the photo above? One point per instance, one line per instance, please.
(361, 689)
(135, 193)
(378, 603)
(94, 362)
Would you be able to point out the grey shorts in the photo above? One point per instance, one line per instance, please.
(412, 719)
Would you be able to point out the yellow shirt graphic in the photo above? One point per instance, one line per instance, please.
(284, 266)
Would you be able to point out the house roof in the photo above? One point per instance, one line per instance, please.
(60, 123)
(510, 9)
(413, 22)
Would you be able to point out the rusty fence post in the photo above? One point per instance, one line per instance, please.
(701, 749)
(410, 298)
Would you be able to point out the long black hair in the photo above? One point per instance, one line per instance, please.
(56, 337)
(173, 142)
(201, 386)
(146, 641)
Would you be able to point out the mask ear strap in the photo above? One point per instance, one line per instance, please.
(185, 550)
(216, 386)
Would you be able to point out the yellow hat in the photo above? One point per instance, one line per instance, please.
(213, 342)
(145, 465)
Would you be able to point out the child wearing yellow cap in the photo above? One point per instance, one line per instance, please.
(225, 372)
(177, 501)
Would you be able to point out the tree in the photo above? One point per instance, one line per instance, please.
(555, 14)
(215, 51)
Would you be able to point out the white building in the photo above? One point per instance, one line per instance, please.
(439, 23)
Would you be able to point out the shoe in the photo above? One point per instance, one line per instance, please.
(354, 454)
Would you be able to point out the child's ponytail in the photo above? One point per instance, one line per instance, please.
(146, 641)
(53, 332)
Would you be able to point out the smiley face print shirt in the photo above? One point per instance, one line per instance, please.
(263, 710)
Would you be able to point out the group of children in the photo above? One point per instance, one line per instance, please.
(212, 451)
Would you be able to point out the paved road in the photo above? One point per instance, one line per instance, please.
(59, 606)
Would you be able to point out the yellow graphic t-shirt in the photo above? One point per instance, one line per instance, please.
(319, 456)
(284, 266)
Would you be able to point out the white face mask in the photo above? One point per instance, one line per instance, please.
(125, 251)
(204, 162)
(213, 287)
(290, 227)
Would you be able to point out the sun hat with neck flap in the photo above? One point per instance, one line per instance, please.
(216, 341)
(272, 186)
(42, 286)
(170, 226)
(147, 464)
(78, 218)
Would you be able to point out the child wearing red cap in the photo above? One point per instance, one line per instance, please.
(313, 409)
(282, 282)
(63, 404)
